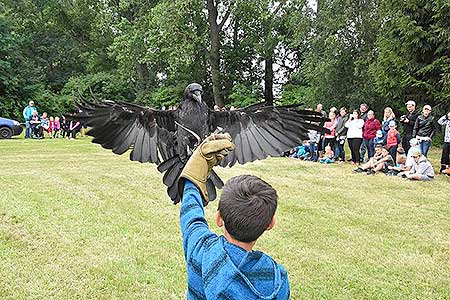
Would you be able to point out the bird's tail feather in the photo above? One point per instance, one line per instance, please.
(172, 168)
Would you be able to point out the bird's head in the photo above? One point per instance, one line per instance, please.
(193, 91)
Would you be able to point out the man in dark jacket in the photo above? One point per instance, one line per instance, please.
(371, 125)
(424, 129)
(341, 135)
(408, 122)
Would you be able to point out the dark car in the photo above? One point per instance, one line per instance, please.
(8, 128)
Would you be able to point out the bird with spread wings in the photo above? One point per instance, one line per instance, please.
(168, 137)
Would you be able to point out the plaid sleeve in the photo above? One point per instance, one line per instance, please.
(194, 227)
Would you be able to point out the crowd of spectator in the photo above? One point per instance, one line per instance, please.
(42, 126)
(376, 146)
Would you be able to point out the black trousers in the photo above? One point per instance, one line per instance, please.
(445, 159)
(393, 153)
(355, 144)
(405, 142)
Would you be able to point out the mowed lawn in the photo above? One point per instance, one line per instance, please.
(78, 222)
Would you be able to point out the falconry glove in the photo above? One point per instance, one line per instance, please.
(208, 154)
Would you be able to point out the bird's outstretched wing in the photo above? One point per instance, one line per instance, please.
(122, 126)
(261, 131)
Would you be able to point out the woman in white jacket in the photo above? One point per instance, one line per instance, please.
(354, 135)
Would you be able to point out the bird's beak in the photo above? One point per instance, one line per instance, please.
(197, 95)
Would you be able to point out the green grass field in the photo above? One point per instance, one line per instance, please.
(78, 222)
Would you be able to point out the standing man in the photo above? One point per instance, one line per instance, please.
(445, 157)
(319, 108)
(371, 125)
(27, 114)
(408, 122)
(341, 135)
(424, 129)
(363, 109)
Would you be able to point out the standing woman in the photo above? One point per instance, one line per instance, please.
(445, 157)
(388, 117)
(424, 129)
(329, 138)
(354, 135)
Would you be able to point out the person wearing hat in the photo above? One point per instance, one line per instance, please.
(424, 129)
(408, 122)
(379, 138)
(445, 157)
(27, 115)
(392, 139)
(421, 169)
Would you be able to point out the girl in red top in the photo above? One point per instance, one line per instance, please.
(392, 139)
(50, 127)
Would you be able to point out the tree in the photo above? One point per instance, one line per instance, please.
(413, 52)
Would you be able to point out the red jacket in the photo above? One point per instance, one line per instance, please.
(370, 128)
(393, 138)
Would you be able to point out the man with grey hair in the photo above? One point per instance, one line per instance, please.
(408, 122)
(27, 115)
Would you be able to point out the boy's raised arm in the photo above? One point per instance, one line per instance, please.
(193, 182)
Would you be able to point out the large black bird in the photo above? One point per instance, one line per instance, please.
(168, 137)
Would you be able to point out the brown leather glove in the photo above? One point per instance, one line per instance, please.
(208, 154)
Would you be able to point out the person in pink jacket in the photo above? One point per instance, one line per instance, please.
(329, 139)
(371, 125)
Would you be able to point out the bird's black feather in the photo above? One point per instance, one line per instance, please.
(258, 131)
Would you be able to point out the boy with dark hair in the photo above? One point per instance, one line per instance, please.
(380, 162)
(226, 267)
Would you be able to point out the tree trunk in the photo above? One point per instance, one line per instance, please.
(268, 80)
(214, 56)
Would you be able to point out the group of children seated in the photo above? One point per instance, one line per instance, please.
(411, 165)
(392, 161)
(54, 127)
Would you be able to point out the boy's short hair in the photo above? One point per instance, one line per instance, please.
(247, 206)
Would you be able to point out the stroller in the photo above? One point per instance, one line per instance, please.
(37, 131)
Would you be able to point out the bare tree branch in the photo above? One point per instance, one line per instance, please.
(226, 16)
(282, 3)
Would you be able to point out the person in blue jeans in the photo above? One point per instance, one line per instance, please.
(27, 115)
(227, 267)
(424, 129)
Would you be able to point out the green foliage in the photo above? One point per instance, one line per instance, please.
(413, 60)
(379, 52)
(165, 96)
(99, 86)
(242, 96)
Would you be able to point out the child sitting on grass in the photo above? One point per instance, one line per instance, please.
(328, 156)
(380, 162)
(56, 127)
(226, 267)
(302, 151)
(400, 163)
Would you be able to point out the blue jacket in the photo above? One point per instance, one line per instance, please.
(28, 112)
(217, 269)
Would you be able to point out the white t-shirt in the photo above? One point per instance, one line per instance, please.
(354, 128)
